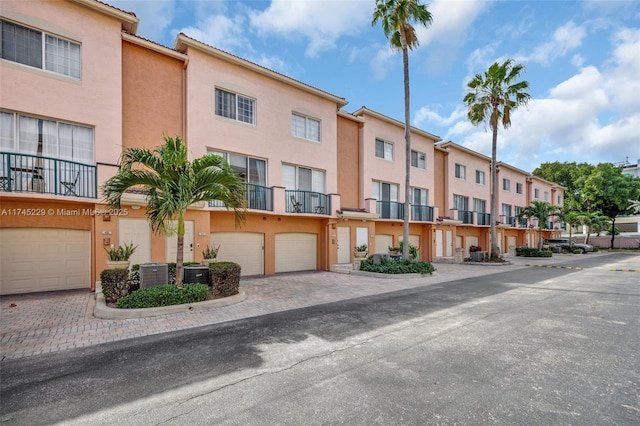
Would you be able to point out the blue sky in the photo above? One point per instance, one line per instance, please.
(582, 62)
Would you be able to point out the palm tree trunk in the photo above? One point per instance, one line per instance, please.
(613, 231)
(494, 198)
(180, 253)
(407, 139)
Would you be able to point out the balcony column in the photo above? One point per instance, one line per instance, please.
(279, 200)
(335, 205)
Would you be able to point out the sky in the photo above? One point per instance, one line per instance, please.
(581, 59)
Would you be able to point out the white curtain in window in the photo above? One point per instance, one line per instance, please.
(257, 171)
(288, 177)
(313, 129)
(375, 190)
(298, 125)
(388, 151)
(304, 179)
(65, 141)
(7, 137)
(317, 181)
(393, 195)
(28, 135)
(49, 138)
(83, 144)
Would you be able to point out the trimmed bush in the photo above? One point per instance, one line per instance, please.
(527, 251)
(115, 284)
(545, 253)
(397, 266)
(224, 278)
(164, 295)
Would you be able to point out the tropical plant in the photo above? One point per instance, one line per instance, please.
(492, 97)
(210, 252)
(360, 248)
(396, 18)
(120, 253)
(571, 218)
(595, 222)
(172, 183)
(540, 210)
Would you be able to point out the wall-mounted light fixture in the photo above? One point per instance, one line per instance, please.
(202, 234)
(135, 207)
(106, 232)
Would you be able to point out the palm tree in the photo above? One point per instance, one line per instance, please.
(594, 221)
(570, 218)
(172, 183)
(540, 210)
(396, 17)
(493, 96)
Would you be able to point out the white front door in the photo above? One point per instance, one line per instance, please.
(439, 248)
(172, 243)
(448, 242)
(138, 232)
(344, 244)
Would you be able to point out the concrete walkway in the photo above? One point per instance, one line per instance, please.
(40, 323)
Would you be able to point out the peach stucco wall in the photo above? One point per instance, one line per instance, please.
(94, 100)
(271, 137)
(394, 171)
(468, 186)
(349, 163)
(153, 101)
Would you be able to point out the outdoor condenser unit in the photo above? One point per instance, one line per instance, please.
(153, 274)
(196, 274)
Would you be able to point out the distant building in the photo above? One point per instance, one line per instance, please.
(630, 169)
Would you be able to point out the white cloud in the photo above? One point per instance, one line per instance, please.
(321, 23)
(426, 116)
(224, 32)
(565, 39)
(380, 62)
(155, 16)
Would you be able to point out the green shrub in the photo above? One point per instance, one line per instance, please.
(120, 253)
(224, 278)
(527, 251)
(397, 266)
(545, 253)
(115, 284)
(164, 295)
(595, 249)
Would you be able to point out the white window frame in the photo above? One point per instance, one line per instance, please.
(536, 193)
(519, 188)
(387, 150)
(460, 201)
(506, 208)
(14, 138)
(546, 195)
(480, 177)
(59, 55)
(422, 193)
(460, 171)
(420, 160)
(291, 178)
(237, 113)
(310, 130)
(376, 190)
(506, 184)
(479, 205)
(247, 178)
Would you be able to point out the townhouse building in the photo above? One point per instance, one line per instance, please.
(318, 179)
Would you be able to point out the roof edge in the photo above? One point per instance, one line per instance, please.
(151, 45)
(129, 20)
(364, 110)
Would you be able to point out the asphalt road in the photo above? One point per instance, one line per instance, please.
(538, 346)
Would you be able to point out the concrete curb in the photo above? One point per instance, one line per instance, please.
(101, 310)
(389, 276)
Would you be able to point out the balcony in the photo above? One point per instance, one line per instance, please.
(484, 219)
(465, 216)
(307, 202)
(45, 175)
(390, 209)
(523, 223)
(421, 213)
(510, 220)
(257, 197)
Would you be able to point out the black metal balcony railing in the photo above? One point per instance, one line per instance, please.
(484, 219)
(522, 223)
(465, 216)
(307, 202)
(46, 175)
(421, 213)
(510, 220)
(257, 197)
(390, 209)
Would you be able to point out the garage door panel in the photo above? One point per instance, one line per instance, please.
(244, 248)
(44, 259)
(296, 252)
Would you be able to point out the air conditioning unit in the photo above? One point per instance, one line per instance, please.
(196, 274)
(153, 274)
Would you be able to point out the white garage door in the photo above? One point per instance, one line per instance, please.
(44, 259)
(138, 232)
(383, 242)
(296, 252)
(244, 248)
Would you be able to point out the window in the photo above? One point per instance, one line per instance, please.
(506, 210)
(479, 205)
(506, 184)
(419, 197)
(40, 50)
(383, 191)
(461, 171)
(384, 150)
(249, 169)
(460, 203)
(418, 159)
(536, 193)
(303, 178)
(518, 188)
(546, 195)
(559, 200)
(235, 106)
(305, 127)
(480, 177)
(50, 138)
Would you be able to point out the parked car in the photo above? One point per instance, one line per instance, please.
(568, 244)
